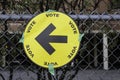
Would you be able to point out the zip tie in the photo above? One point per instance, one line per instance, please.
(51, 69)
(21, 39)
(50, 10)
(81, 36)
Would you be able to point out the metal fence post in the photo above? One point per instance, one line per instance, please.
(105, 51)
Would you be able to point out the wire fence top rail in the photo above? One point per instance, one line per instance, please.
(75, 17)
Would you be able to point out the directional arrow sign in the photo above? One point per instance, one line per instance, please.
(51, 38)
(45, 38)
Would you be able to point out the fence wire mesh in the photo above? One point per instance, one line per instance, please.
(98, 57)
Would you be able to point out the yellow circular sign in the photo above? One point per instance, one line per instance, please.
(51, 38)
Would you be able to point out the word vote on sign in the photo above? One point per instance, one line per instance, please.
(51, 38)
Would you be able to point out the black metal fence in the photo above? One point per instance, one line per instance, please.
(98, 57)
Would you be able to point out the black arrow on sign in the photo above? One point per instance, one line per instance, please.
(44, 38)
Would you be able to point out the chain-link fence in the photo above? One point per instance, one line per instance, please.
(98, 57)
